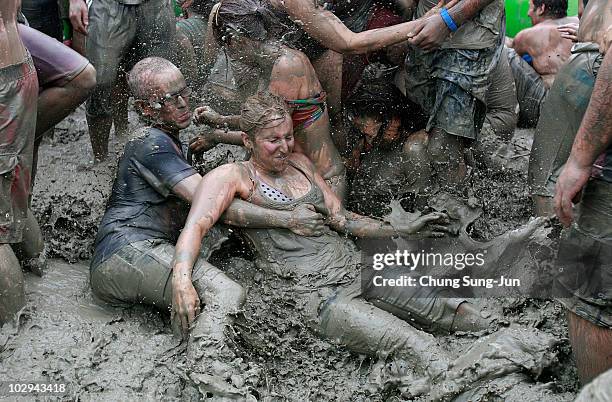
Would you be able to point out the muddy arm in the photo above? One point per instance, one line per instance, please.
(325, 27)
(432, 31)
(244, 214)
(213, 196)
(593, 138)
(467, 9)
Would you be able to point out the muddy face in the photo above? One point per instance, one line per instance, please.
(371, 127)
(170, 101)
(272, 146)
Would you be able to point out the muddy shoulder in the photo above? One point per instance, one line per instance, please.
(104, 353)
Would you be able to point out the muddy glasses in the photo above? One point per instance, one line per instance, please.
(172, 99)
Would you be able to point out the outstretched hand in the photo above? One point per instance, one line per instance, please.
(431, 30)
(569, 185)
(434, 224)
(305, 221)
(185, 304)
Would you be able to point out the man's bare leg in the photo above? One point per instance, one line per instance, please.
(12, 294)
(55, 103)
(31, 247)
(591, 346)
(121, 95)
(329, 71)
(99, 131)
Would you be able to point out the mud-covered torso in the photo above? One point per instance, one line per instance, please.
(142, 205)
(314, 262)
(480, 32)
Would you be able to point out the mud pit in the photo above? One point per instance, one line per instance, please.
(125, 354)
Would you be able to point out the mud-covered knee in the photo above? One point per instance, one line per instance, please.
(444, 148)
(233, 295)
(86, 81)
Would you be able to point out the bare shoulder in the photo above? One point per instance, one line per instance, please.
(533, 37)
(235, 175)
(291, 59)
(228, 172)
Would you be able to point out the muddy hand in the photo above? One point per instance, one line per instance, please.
(185, 304)
(79, 16)
(206, 115)
(430, 225)
(569, 186)
(569, 31)
(202, 143)
(305, 221)
(432, 30)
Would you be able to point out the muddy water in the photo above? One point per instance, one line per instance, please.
(118, 354)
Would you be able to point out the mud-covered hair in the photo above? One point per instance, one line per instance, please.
(261, 110)
(142, 77)
(250, 18)
(554, 8)
(382, 100)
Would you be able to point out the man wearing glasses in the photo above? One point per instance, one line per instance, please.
(151, 194)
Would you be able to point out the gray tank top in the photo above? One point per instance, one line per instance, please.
(314, 262)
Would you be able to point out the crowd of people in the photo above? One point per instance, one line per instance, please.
(290, 81)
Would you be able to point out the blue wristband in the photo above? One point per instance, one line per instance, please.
(448, 19)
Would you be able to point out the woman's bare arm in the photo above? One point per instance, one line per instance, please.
(329, 30)
(213, 196)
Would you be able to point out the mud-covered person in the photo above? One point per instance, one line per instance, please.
(322, 271)
(538, 53)
(134, 247)
(447, 68)
(565, 105)
(585, 252)
(119, 33)
(19, 233)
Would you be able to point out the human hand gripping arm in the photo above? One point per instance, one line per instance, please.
(569, 31)
(303, 220)
(593, 138)
(326, 28)
(79, 16)
(432, 30)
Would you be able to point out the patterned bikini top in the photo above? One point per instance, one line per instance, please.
(275, 199)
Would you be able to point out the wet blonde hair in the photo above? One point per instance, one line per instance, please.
(260, 110)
